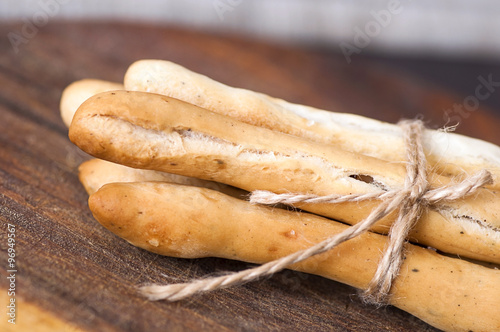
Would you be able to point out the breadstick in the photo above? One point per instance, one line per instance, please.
(188, 222)
(152, 131)
(449, 154)
(76, 93)
(95, 173)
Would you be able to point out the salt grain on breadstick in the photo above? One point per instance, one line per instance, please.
(188, 222)
(157, 132)
(449, 154)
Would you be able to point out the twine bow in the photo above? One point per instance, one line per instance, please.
(411, 201)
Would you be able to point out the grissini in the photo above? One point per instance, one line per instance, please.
(95, 173)
(447, 153)
(157, 132)
(187, 222)
(77, 92)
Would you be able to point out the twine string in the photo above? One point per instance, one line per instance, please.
(411, 200)
(416, 181)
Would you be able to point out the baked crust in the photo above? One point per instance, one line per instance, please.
(77, 92)
(447, 153)
(188, 222)
(151, 131)
(95, 173)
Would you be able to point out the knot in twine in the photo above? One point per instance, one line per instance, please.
(411, 200)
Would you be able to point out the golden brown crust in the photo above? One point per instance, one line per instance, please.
(77, 92)
(189, 222)
(448, 154)
(95, 173)
(157, 132)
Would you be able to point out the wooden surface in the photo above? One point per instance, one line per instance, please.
(73, 270)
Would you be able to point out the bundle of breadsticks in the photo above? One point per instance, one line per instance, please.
(178, 153)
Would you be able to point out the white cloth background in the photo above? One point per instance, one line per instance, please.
(450, 28)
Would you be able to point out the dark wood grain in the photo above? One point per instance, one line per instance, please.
(79, 272)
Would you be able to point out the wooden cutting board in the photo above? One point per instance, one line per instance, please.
(73, 275)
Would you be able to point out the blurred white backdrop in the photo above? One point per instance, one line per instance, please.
(449, 28)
